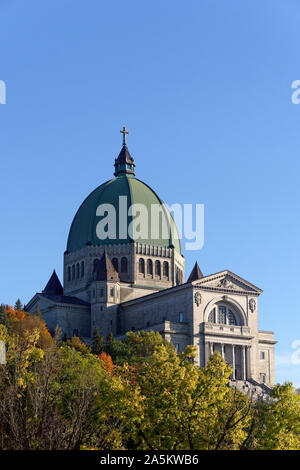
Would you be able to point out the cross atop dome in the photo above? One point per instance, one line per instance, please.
(124, 164)
(124, 132)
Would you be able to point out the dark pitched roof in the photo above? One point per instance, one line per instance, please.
(105, 270)
(53, 286)
(65, 299)
(196, 274)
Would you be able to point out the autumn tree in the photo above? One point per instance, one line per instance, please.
(21, 322)
(108, 363)
(79, 345)
(52, 399)
(58, 395)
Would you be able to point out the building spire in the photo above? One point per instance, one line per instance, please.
(196, 274)
(53, 286)
(124, 164)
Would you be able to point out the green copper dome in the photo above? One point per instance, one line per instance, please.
(83, 228)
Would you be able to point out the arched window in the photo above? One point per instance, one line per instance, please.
(231, 318)
(157, 268)
(124, 265)
(212, 316)
(141, 266)
(69, 273)
(115, 263)
(77, 271)
(96, 261)
(177, 276)
(73, 272)
(149, 267)
(82, 269)
(166, 269)
(223, 315)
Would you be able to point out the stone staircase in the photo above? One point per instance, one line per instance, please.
(255, 391)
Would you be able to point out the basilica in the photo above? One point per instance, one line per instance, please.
(138, 284)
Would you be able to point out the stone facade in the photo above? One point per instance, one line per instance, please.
(218, 312)
(145, 267)
(183, 315)
(142, 287)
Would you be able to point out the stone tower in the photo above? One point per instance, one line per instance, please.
(105, 296)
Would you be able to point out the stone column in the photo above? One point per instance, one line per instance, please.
(248, 361)
(233, 362)
(222, 350)
(206, 348)
(244, 363)
(211, 348)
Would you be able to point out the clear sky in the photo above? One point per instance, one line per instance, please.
(204, 87)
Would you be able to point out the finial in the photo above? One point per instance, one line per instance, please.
(124, 164)
(124, 132)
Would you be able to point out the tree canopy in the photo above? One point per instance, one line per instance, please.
(138, 393)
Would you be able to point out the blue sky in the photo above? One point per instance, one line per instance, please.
(205, 90)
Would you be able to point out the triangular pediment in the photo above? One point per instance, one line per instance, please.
(226, 281)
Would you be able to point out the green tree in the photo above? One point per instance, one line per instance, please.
(59, 396)
(18, 305)
(276, 422)
(3, 317)
(178, 405)
(135, 347)
(98, 342)
(38, 312)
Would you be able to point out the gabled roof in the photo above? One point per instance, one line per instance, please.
(56, 299)
(53, 286)
(196, 274)
(228, 281)
(105, 270)
(65, 299)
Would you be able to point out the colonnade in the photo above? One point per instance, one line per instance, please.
(210, 348)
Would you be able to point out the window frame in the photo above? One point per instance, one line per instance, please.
(224, 314)
(262, 377)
